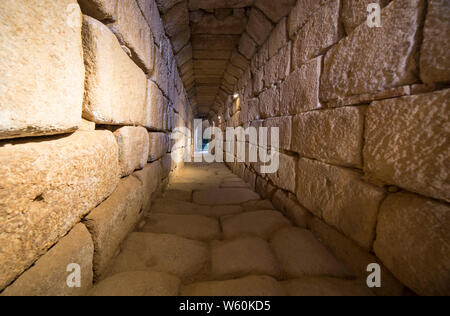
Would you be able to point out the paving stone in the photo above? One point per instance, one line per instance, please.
(300, 254)
(259, 223)
(181, 195)
(188, 226)
(138, 283)
(248, 286)
(224, 196)
(258, 205)
(171, 206)
(179, 256)
(323, 286)
(243, 256)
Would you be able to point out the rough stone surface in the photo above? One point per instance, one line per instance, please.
(150, 176)
(40, 93)
(320, 32)
(110, 222)
(332, 136)
(435, 52)
(258, 27)
(164, 253)
(269, 103)
(275, 10)
(230, 259)
(138, 283)
(386, 57)
(188, 226)
(412, 241)
(354, 12)
(133, 31)
(258, 223)
(346, 202)
(133, 148)
(155, 107)
(300, 91)
(300, 254)
(48, 275)
(248, 286)
(407, 143)
(102, 10)
(47, 194)
(285, 175)
(284, 124)
(158, 146)
(356, 258)
(247, 46)
(115, 86)
(224, 196)
(323, 286)
(218, 4)
(296, 213)
(300, 14)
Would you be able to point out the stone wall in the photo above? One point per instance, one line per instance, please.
(89, 95)
(363, 116)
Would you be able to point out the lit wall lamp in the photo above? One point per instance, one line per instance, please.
(235, 96)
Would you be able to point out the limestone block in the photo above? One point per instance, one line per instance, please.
(278, 38)
(159, 144)
(150, 177)
(275, 10)
(102, 10)
(110, 222)
(224, 196)
(354, 12)
(46, 186)
(40, 93)
(300, 91)
(407, 143)
(176, 19)
(278, 67)
(284, 177)
(295, 212)
(413, 242)
(301, 13)
(247, 46)
(269, 103)
(156, 106)
(319, 33)
(435, 50)
(341, 198)
(48, 276)
(133, 31)
(115, 86)
(332, 136)
(138, 283)
(133, 148)
(248, 286)
(386, 57)
(258, 27)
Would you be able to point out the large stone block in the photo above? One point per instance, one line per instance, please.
(269, 103)
(413, 235)
(156, 106)
(150, 177)
(110, 222)
(300, 90)
(300, 14)
(115, 86)
(258, 27)
(407, 143)
(176, 19)
(247, 46)
(133, 31)
(435, 51)
(284, 124)
(46, 186)
(41, 93)
(159, 146)
(133, 148)
(341, 198)
(279, 38)
(48, 276)
(319, 33)
(102, 10)
(278, 67)
(332, 136)
(386, 55)
(275, 10)
(284, 177)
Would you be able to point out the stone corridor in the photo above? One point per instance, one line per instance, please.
(210, 234)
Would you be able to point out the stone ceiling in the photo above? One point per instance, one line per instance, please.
(214, 40)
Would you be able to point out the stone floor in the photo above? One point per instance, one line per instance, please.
(210, 235)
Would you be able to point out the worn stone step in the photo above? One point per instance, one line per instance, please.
(138, 283)
(224, 196)
(188, 226)
(241, 257)
(257, 223)
(248, 286)
(325, 286)
(179, 256)
(300, 254)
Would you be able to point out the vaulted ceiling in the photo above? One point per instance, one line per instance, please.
(214, 41)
